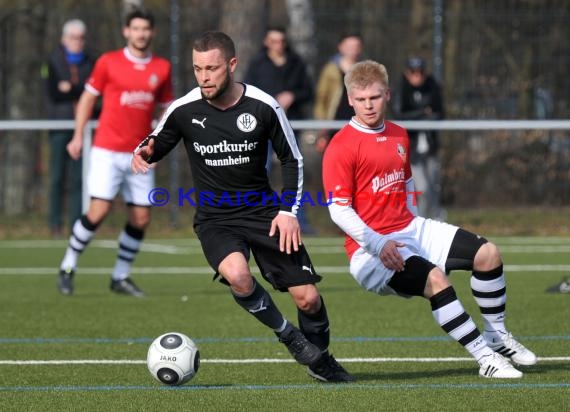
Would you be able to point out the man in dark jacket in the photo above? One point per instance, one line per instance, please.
(69, 67)
(280, 72)
(419, 98)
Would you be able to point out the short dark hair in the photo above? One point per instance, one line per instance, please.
(280, 29)
(348, 35)
(211, 40)
(139, 14)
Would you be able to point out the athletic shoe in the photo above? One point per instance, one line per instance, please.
(562, 287)
(508, 346)
(65, 282)
(127, 287)
(327, 369)
(302, 350)
(496, 366)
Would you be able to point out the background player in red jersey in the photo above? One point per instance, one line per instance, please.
(132, 82)
(394, 251)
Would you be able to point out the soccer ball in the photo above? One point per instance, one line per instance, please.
(173, 358)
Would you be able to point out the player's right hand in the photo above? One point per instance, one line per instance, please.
(391, 257)
(139, 162)
(74, 147)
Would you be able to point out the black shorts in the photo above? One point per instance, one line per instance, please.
(412, 280)
(220, 238)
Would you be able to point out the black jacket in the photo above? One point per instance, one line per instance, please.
(410, 103)
(292, 76)
(59, 104)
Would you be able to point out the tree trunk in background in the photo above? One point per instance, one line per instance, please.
(452, 12)
(243, 22)
(22, 149)
(301, 31)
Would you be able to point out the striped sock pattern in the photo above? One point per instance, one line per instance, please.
(130, 240)
(490, 293)
(81, 234)
(449, 313)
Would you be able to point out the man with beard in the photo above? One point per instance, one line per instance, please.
(226, 127)
(132, 82)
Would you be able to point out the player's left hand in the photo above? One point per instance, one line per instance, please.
(289, 232)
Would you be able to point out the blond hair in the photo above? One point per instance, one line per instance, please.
(364, 73)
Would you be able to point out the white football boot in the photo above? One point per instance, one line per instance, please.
(496, 366)
(509, 347)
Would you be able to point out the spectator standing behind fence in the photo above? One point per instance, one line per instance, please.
(419, 98)
(331, 101)
(132, 82)
(68, 68)
(279, 71)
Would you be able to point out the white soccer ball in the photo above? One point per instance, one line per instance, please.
(173, 358)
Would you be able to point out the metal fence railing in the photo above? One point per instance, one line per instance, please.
(306, 125)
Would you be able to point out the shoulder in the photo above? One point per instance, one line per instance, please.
(342, 147)
(113, 54)
(394, 129)
(57, 54)
(110, 56)
(190, 97)
(258, 94)
(331, 70)
(295, 58)
(259, 57)
(345, 139)
(160, 61)
(431, 80)
(90, 57)
(183, 106)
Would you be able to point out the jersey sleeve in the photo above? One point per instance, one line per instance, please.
(98, 78)
(166, 136)
(285, 146)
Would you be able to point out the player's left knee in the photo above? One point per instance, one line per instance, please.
(488, 257)
(309, 301)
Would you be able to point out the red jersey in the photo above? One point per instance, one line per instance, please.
(368, 169)
(131, 88)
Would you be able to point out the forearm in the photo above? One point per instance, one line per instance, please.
(83, 112)
(345, 217)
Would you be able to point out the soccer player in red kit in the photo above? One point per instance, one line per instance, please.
(391, 249)
(132, 82)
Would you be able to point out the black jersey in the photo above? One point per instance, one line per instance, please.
(227, 150)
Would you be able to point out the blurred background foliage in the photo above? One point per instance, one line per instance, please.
(504, 59)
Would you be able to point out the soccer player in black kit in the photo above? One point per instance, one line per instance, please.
(226, 127)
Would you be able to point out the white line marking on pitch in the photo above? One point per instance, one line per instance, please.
(200, 270)
(242, 361)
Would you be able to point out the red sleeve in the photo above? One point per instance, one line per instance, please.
(98, 77)
(165, 95)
